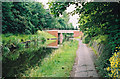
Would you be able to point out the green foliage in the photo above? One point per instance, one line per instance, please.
(58, 8)
(103, 61)
(6, 50)
(86, 39)
(21, 46)
(21, 17)
(43, 40)
(101, 39)
(92, 19)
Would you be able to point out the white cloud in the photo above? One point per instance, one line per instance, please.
(74, 18)
(44, 2)
(70, 8)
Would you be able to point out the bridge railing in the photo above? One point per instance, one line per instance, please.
(60, 29)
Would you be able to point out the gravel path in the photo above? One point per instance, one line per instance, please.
(84, 63)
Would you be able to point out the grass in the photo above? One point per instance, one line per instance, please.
(58, 64)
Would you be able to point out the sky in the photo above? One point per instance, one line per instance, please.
(73, 19)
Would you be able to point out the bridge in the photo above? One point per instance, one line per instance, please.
(59, 33)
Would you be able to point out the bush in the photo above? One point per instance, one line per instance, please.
(6, 50)
(103, 61)
(114, 64)
(20, 46)
(27, 31)
(43, 40)
(86, 39)
(8, 34)
(101, 39)
(14, 40)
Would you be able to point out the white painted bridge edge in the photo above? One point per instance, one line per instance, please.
(63, 31)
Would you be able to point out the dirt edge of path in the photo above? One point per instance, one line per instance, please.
(72, 73)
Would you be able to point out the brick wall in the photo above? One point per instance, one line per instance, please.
(55, 33)
(53, 43)
(77, 33)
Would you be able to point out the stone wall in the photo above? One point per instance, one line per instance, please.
(98, 47)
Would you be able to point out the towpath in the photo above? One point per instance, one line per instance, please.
(84, 63)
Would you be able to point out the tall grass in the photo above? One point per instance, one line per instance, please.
(58, 64)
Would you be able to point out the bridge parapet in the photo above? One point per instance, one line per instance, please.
(63, 31)
(55, 33)
(77, 33)
(60, 29)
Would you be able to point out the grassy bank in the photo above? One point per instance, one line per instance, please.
(58, 64)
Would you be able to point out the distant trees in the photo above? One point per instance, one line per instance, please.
(64, 21)
(28, 17)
